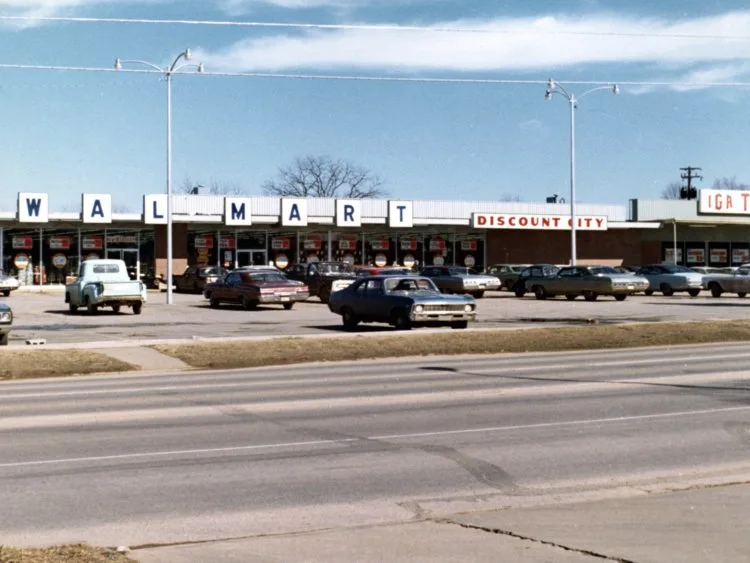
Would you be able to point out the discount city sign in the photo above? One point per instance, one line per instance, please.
(541, 222)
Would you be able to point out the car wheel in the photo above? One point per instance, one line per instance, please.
(478, 294)
(137, 308)
(571, 297)
(213, 303)
(694, 292)
(4, 339)
(621, 297)
(6, 292)
(324, 294)
(349, 319)
(72, 309)
(90, 307)
(666, 290)
(401, 320)
(590, 296)
(649, 292)
(715, 289)
(196, 289)
(539, 292)
(247, 303)
(519, 291)
(115, 308)
(459, 325)
(288, 306)
(741, 294)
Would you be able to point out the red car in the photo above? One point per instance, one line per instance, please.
(252, 288)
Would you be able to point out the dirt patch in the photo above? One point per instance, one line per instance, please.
(62, 554)
(595, 336)
(27, 364)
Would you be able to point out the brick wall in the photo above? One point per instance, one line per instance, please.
(179, 249)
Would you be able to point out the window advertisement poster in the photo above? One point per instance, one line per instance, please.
(718, 254)
(740, 255)
(696, 256)
(669, 255)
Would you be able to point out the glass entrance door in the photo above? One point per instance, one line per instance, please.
(129, 256)
(251, 258)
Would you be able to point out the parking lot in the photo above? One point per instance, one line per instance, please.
(45, 316)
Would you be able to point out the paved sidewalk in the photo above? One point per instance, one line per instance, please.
(144, 358)
(705, 525)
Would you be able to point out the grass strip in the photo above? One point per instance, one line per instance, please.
(79, 553)
(27, 364)
(285, 351)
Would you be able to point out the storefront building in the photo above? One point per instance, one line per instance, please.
(42, 246)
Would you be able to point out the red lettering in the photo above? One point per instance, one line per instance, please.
(523, 221)
(717, 202)
(729, 202)
(512, 221)
(481, 220)
(745, 195)
(556, 220)
(599, 223)
(546, 222)
(535, 221)
(588, 222)
(501, 220)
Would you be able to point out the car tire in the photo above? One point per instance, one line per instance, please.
(349, 319)
(401, 320)
(694, 292)
(288, 306)
(4, 339)
(478, 294)
(590, 296)
(715, 289)
(520, 292)
(137, 308)
(621, 297)
(6, 292)
(214, 303)
(666, 290)
(539, 292)
(196, 289)
(459, 325)
(571, 297)
(72, 309)
(247, 304)
(90, 307)
(649, 292)
(741, 294)
(324, 294)
(115, 309)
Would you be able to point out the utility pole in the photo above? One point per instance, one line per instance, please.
(688, 173)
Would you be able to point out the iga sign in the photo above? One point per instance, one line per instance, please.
(724, 202)
(541, 222)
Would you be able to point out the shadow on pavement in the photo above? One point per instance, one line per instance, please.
(715, 303)
(360, 328)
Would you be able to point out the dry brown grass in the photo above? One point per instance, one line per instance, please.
(26, 364)
(395, 345)
(79, 553)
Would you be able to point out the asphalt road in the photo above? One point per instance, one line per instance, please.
(46, 316)
(158, 459)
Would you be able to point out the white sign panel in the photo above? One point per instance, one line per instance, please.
(537, 222)
(237, 211)
(96, 208)
(155, 209)
(348, 212)
(400, 214)
(33, 208)
(294, 212)
(724, 202)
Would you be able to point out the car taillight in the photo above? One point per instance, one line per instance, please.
(266, 290)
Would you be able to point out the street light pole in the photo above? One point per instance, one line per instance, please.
(555, 88)
(167, 72)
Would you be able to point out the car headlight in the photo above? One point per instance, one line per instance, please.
(6, 317)
(418, 309)
(469, 308)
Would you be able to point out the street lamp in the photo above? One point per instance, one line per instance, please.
(167, 72)
(555, 88)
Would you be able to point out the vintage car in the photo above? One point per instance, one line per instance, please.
(706, 270)
(508, 274)
(253, 288)
(457, 279)
(195, 278)
(323, 278)
(737, 282)
(105, 283)
(401, 301)
(669, 278)
(363, 271)
(6, 322)
(7, 283)
(589, 281)
(535, 271)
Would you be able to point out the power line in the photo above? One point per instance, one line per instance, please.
(373, 27)
(333, 77)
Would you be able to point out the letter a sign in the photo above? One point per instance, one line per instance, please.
(33, 208)
(97, 208)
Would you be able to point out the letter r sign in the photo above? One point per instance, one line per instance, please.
(348, 212)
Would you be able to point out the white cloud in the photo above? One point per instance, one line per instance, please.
(509, 47)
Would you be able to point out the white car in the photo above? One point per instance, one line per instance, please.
(7, 283)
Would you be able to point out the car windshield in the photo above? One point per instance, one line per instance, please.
(263, 277)
(601, 270)
(215, 271)
(335, 268)
(677, 269)
(458, 271)
(410, 284)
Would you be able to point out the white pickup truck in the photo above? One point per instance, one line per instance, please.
(105, 283)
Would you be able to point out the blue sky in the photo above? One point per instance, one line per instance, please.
(66, 132)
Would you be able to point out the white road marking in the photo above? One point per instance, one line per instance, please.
(237, 449)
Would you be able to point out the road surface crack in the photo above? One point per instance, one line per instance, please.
(510, 534)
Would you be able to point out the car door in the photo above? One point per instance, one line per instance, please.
(373, 300)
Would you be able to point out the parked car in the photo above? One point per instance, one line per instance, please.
(7, 283)
(508, 274)
(724, 282)
(362, 271)
(195, 278)
(323, 278)
(456, 279)
(705, 270)
(6, 322)
(670, 278)
(254, 288)
(401, 301)
(105, 283)
(535, 271)
(589, 281)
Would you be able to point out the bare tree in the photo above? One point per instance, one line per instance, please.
(510, 197)
(215, 187)
(321, 176)
(727, 183)
(671, 191)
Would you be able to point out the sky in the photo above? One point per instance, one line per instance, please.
(681, 66)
